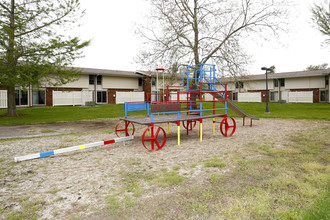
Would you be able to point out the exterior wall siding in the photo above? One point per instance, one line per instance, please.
(305, 83)
(230, 95)
(82, 82)
(112, 82)
(259, 85)
(146, 87)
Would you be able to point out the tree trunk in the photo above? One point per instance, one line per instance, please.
(11, 102)
(11, 63)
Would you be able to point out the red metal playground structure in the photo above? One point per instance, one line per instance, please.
(188, 107)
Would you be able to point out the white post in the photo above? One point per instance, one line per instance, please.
(160, 69)
(163, 87)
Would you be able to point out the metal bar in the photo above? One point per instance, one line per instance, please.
(70, 149)
(178, 126)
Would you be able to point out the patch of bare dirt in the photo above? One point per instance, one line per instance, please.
(79, 182)
(55, 129)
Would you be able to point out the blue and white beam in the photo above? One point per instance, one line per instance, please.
(74, 148)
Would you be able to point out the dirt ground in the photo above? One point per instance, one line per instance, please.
(78, 183)
(55, 129)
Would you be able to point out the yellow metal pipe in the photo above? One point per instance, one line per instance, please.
(168, 128)
(201, 131)
(178, 134)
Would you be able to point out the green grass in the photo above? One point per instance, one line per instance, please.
(29, 210)
(214, 162)
(320, 209)
(40, 115)
(48, 115)
(317, 111)
(169, 179)
(312, 111)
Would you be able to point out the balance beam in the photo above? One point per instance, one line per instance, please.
(74, 148)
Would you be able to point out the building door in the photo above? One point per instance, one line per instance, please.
(101, 97)
(324, 96)
(38, 97)
(21, 97)
(274, 96)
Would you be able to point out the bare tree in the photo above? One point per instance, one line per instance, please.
(201, 31)
(321, 17)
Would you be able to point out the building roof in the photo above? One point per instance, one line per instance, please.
(106, 72)
(297, 74)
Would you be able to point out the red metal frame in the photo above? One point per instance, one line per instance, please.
(244, 121)
(153, 138)
(225, 127)
(126, 130)
(189, 125)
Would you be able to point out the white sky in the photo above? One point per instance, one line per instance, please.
(109, 24)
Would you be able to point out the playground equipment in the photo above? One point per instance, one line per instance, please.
(74, 148)
(189, 107)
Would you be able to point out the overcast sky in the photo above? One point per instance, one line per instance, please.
(109, 24)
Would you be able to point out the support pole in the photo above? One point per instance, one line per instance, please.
(168, 128)
(201, 129)
(178, 125)
(74, 148)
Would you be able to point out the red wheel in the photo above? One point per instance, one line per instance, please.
(124, 128)
(155, 139)
(190, 125)
(228, 127)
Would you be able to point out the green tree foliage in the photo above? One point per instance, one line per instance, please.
(273, 69)
(33, 49)
(317, 67)
(321, 17)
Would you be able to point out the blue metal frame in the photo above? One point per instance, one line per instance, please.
(207, 75)
(140, 106)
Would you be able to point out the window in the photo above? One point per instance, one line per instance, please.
(324, 96)
(239, 85)
(140, 81)
(279, 81)
(38, 97)
(326, 80)
(153, 81)
(21, 97)
(235, 96)
(91, 79)
(101, 97)
(274, 96)
(99, 79)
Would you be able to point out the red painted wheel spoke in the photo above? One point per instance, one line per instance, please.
(153, 138)
(189, 125)
(157, 132)
(124, 128)
(157, 143)
(228, 126)
(152, 145)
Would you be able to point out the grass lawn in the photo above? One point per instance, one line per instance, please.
(37, 115)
